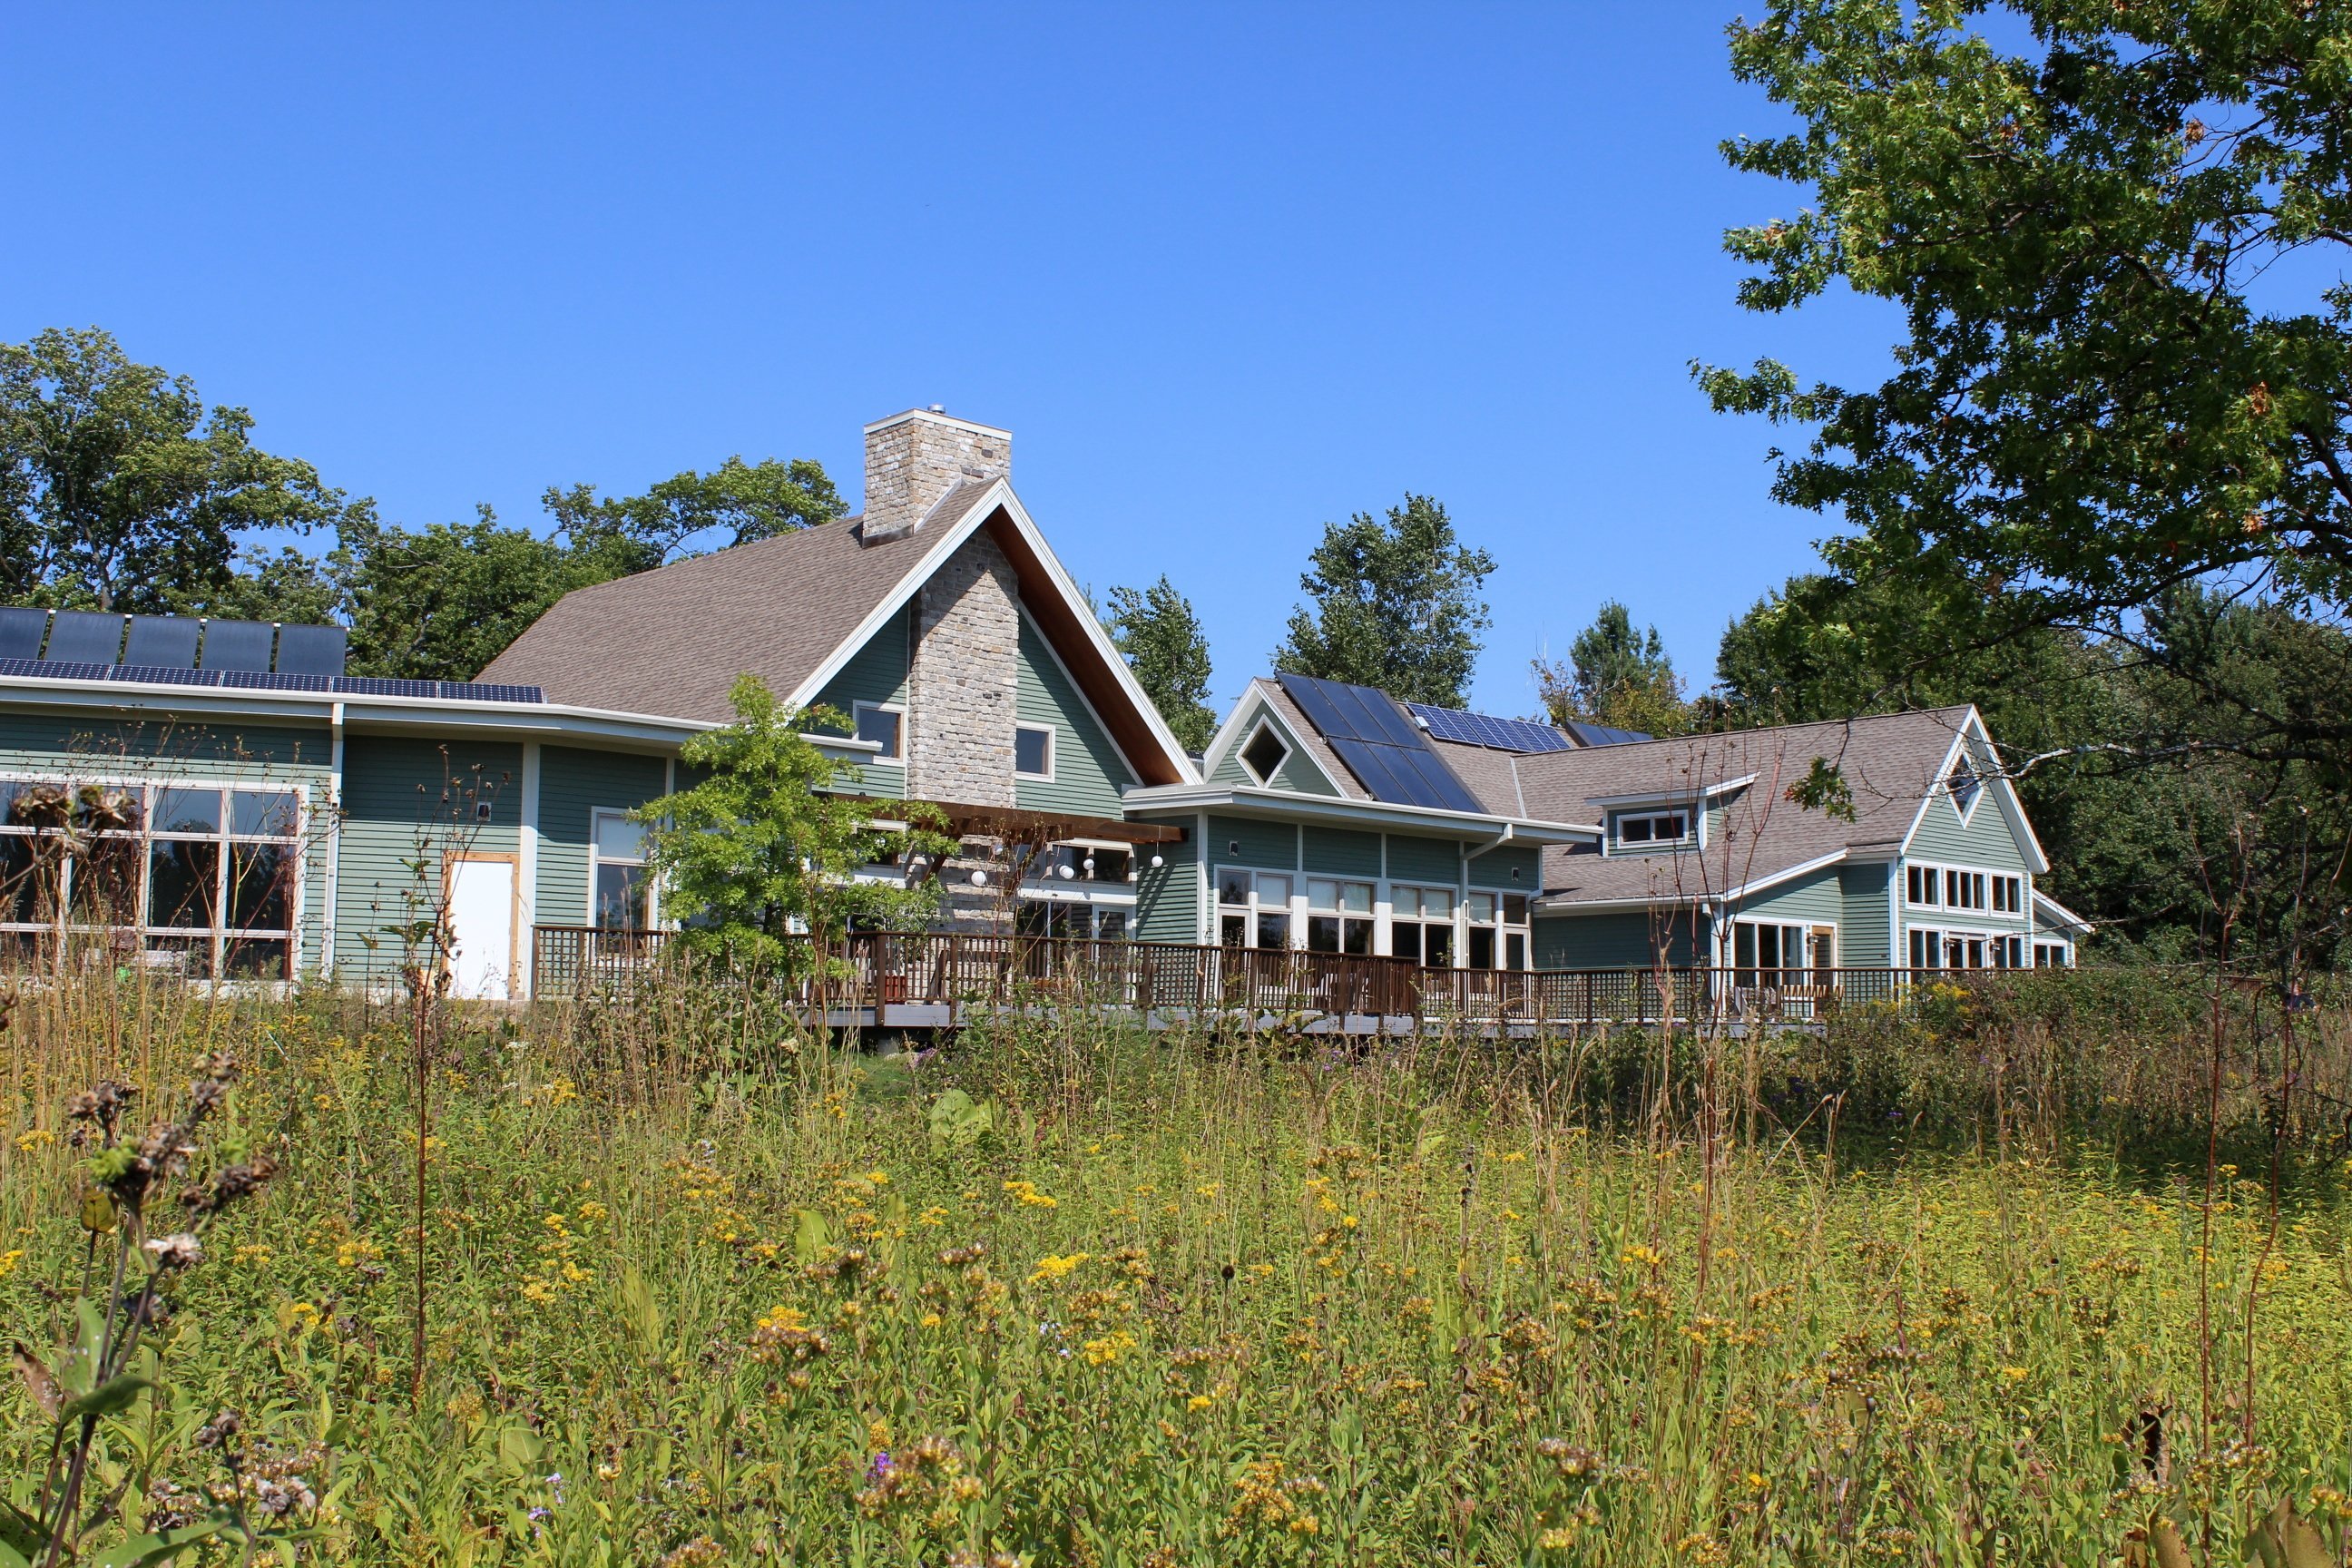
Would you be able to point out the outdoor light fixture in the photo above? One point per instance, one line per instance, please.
(1157, 862)
(1070, 872)
(980, 879)
(1088, 863)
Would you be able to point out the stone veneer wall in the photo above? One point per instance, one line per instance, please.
(962, 680)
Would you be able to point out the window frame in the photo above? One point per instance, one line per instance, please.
(1266, 731)
(220, 938)
(1688, 839)
(1052, 745)
(894, 759)
(1255, 912)
(597, 861)
(1456, 949)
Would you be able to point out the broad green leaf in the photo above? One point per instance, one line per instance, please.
(119, 1395)
(160, 1546)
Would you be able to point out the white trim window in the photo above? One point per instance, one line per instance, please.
(2050, 954)
(1963, 889)
(1421, 925)
(1495, 932)
(1338, 916)
(1643, 831)
(1934, 948)
(1782, 952)
(200, 878)
(1266, 752)
(2007, 895)
(1032, 751)
(1923, 888)
(620, 889)
(1254, 908)
(884, 724)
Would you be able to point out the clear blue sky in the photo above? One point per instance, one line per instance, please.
(1225, 272)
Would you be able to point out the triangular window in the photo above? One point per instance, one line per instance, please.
(1265, 755)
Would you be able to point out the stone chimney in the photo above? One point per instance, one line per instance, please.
(914, 459)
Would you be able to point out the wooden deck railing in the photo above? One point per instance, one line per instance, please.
(881, 970)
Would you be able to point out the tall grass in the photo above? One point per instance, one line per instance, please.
(706, 1289)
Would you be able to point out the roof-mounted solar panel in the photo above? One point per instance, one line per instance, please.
(1380, 745)
(1605, 735)
(21, 631)
(1467, 728)
(311, 650)
(239, 645)
(85, 637)
(162, 642)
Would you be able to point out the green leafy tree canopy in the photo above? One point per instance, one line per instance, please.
(1616, 676)
(690, 512)
(1156, 631)
(2119, 257)
(1396, 604)
(120, 490)
(763, 850)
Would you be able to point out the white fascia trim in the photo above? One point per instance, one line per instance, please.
(998, 494)
(2012, 810)
(891, 603)
(1562, 904)
(1292, 802)
(2065, 917)
(1080, 610)
(361, 710)
(1773, 879)
(1935, 785)
(1230, 736)
(1672, 796)
(1079, 691)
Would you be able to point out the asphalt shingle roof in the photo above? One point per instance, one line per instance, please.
(1889, 762)
(671, 641)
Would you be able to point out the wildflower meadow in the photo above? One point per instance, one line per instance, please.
(697, 1287)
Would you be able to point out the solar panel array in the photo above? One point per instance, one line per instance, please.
(1382, 748)
(1605, 735)
(1484, 730)
(271, 680)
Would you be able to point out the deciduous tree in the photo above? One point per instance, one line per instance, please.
(1396, 604)
(1157, 631)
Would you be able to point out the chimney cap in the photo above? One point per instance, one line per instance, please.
(935, 414)
(939, 408)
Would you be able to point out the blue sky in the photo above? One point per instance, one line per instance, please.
(1226, 272)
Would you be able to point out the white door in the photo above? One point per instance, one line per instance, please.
(481, 927)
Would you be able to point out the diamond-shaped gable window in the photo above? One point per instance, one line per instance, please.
(1265, 753)
(1965, 785)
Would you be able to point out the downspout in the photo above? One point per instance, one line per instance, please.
(333, 878)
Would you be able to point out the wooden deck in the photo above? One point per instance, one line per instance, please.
(933, 980)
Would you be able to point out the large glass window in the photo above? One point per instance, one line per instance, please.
(622, 895)
(1421, 925)
(1253, 908)
(1338, 916)
(201, 879)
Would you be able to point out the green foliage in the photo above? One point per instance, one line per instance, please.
(762, 847)
(1189, 1292)
(735, 503)
(2123, 370)
(119, 489)
(1615, 676)
(2145, 761)
(1161, 639)
(1396, 606)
